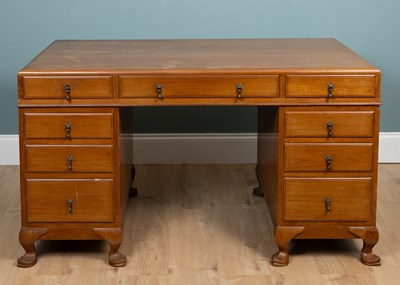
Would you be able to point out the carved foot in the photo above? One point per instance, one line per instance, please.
(27, 238)
(281, 258)
(114, 239)
(116, 259)
(283, 235)
(370, 237)
(133, 192)
(370, 258)
(27, 260)
(258, 192)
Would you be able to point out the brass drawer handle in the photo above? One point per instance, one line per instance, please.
(67, 89)
(328, 202)
(159, 88)
(329, 126)
(328, 160)
(68, 128)
(331, 86)
(239, 90)
(70, 159)
(70, 204)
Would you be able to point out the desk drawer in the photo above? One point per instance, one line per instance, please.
(341, 86)
(54, 87)
(70, 200)
(313, 199)
(329, 124)
(328, 157)
(68, 125)
(69, 158)
(199, 86)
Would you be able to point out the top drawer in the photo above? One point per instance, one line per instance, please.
(330, 86)
(132, 86)
(329, 124)
(70, 126)
(67, 87)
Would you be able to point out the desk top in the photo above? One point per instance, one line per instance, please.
(213, 56)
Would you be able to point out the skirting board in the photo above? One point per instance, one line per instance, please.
(198, 148)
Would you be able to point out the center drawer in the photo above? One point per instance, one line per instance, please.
(135, 86)
(328, 157)
(69, 158)
(80, 200)
(329, 199)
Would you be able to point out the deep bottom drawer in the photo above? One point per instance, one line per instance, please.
(81, 200)
(331, 199)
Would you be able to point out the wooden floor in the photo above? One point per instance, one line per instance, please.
(200, 224)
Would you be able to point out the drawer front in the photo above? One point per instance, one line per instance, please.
(200, 86)
(70, 200)
(315, 157)
(313, 199)
(54, 87)
(329, 124)
(68, 125)
(69, 158)
(341, 86)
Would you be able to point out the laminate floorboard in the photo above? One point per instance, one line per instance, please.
(200, 224)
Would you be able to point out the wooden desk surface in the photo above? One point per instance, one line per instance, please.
(226, 55)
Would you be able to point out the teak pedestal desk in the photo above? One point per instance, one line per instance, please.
(318, 109)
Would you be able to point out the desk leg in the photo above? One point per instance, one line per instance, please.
(257, 191)
(283, 235)
(133, 192)
(27, 238)
(370, 237)
(114, 238)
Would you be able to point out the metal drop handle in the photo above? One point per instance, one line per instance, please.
(70, 204)
(331, 86)
(70, 159)
(159, 88)
(239, 90)
(328, 202)
(328, 161)
(68, 128)
(67, 89)
(329, 127)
